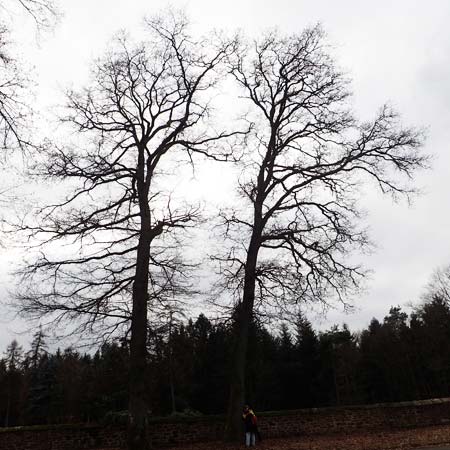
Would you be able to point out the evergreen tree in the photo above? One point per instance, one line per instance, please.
(13, 384)
(307, 368)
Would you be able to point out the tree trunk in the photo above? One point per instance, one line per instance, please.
(243, 319)
(137, 424)
(137, 416)
(234, 426)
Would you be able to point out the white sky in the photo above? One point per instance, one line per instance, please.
(394, 51)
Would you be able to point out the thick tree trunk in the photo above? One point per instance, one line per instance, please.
(243, 319)
(137, 423)
(137, 411)
(234, 426)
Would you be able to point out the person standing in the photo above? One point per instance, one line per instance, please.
(250, 426)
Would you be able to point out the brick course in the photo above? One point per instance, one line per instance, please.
(402, 425)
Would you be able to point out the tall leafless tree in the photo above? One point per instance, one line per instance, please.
(117, 224)
(304, 164)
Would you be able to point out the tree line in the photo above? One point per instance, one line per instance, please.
(403, 357)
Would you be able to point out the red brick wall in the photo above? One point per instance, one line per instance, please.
(356, 418)
(404, 420)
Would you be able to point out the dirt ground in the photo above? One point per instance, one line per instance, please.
(295, 443)
(428, 437)
(270, 444)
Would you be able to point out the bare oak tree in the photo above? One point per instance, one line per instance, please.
(301, 175)
(118, 223)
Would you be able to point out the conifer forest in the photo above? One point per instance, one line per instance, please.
(402, 357)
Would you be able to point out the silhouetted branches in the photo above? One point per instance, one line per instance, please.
(304, 164)
(144, 102)
(15, 104)
(109, 250)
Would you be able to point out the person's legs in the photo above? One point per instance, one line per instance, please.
(248, 438)
(253, 439)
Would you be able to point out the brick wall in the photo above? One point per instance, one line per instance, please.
(350, 419)
(332, 424)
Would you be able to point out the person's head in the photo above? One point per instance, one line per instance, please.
(246, 408)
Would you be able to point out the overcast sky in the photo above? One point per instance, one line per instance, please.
(397, 52)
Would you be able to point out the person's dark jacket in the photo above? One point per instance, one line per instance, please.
(250, 422)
